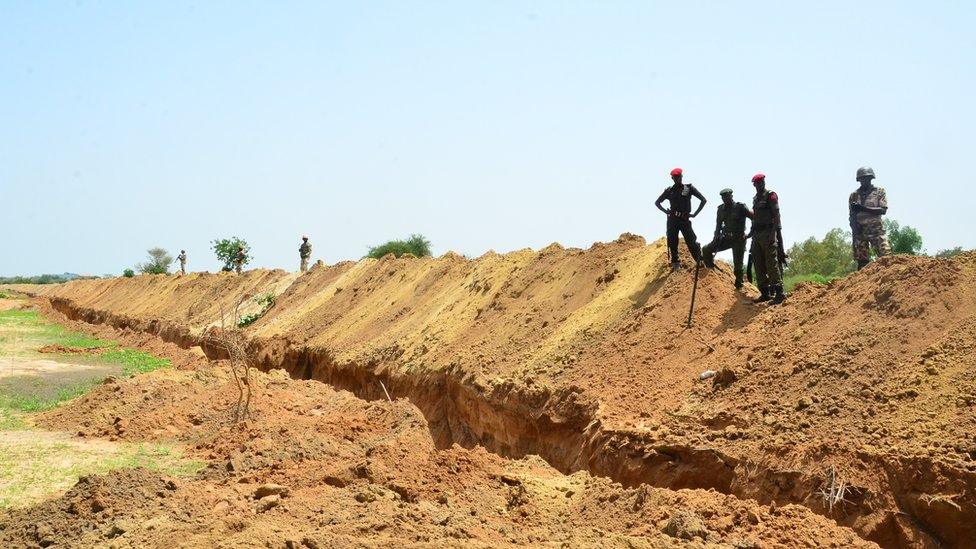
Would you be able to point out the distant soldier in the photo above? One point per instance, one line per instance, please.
(679, 215)
(239, 258)
(305, 252)
(730, 232)
(766, 244)
(182, 258)
(866, 206)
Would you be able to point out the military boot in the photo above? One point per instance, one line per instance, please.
(763, 295)
(675, 266)
(780, 296)
(862, 264)
(738, 280)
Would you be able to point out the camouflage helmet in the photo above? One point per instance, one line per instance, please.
(863, 172)
(725, 191)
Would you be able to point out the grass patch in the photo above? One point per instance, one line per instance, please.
(23, 332)
(10, 420)
(790, 282)
(37, 464)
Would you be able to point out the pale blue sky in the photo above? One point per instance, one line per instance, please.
(483, 125)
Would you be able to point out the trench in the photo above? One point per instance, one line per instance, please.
(559, 426)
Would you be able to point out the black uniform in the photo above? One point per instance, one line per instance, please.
(679, 198)
(765, 246)
(730, 232)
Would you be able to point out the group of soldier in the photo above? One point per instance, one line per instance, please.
(866, 205)
(240, 256)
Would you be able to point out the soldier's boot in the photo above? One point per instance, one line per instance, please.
(763, 295)
(738, 279)
(675, 266)
(780, 295)
(862, 263)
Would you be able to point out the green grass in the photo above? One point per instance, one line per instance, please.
(790, 282)
(23, 332)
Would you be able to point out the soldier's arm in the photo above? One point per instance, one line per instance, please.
(718, 221)
(661, 199)
(774, 201)
(882, 204)
(748, 212)
(700, 196)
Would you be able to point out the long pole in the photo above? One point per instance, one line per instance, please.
(694, 290)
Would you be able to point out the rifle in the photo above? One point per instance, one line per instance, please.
(694, 290)
(782, 253)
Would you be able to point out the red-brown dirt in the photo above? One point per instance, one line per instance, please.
(582, 357)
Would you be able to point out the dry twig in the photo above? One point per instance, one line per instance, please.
(834, 489)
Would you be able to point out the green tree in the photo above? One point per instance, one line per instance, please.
(903, 239)
(830, 257)
(416, 245)
(949, 253)
(226, 251)
(158, 263)
(128, 273)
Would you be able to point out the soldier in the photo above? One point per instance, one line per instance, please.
(182, 258)
(304, 252)
(730, 232)
(679, 215)
(766, 231)
(867, 205)
(239, 258)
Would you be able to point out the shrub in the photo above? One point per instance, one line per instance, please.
(128, 273)
(903, 240)
(416, 245)
(158, 263)
(949, 253)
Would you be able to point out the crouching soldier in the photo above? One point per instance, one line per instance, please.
(730, 232)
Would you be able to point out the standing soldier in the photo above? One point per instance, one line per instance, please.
(679, 215)
(866, 206)
(239, 258)
(766, 245)
(730, 232)
(182, 258)
(304, 252)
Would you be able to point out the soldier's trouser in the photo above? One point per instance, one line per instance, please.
(765, 257)
(683, 225)
(865, 240)
(304, 266)
(722, 243)
(182, 268)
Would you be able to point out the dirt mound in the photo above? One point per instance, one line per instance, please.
(583, 357)
(57, 348)
(321, 468)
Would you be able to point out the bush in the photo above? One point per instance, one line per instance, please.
(830, 257)
(266, 300)
(949, 253)
(416, 245)
(159, 262)
(903, 240)
(226, 251)
(128, 273)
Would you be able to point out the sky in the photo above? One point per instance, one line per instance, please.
(482, 125)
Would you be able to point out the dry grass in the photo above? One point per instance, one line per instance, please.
(834, 490)
(929, 499)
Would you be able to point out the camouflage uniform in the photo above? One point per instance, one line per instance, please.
(182, 258)
(239, 261)
(765, 248)
(730, 229)
(867, 229)
(305, 252)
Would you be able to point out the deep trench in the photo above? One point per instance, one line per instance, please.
(514, 421)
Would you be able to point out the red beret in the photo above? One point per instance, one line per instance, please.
(759, 177)
(676, 171)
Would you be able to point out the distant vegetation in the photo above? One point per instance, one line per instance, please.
(822, 260)
(226, 251)
(128, 273)
(416, 245)
(158, 262)
(39, 279)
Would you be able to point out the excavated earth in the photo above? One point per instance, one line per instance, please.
(580, 357)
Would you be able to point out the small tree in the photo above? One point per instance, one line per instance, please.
(158, 263)
(903, 240)
(416, 245)
(226, 251)
(128, 273)
(830, 257)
